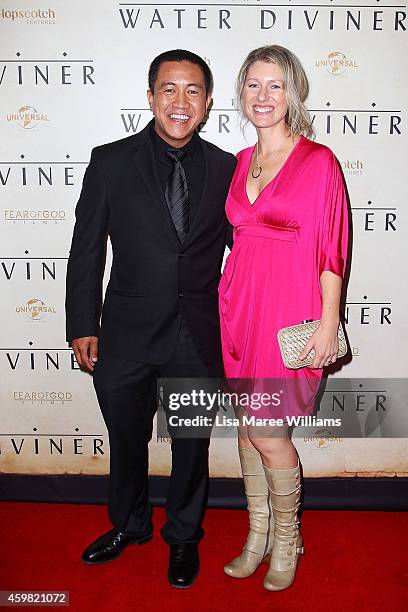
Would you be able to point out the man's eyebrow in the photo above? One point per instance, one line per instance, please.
(164, 83)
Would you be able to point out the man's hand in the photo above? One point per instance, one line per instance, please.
(86, 352)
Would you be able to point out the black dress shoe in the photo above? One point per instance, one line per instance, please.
(183, 565)
(109, 546)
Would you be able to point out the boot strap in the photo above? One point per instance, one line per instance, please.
(287, 510)
(295, 490)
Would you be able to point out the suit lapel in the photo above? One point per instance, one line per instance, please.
(211, 170)
(143, 158)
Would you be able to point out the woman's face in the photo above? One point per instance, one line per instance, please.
(263, 98)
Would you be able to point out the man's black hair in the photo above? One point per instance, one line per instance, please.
(180, 55)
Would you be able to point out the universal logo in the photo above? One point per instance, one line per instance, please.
(33, 17)
(336, 63)
(323, 439)
(27, 117)
(352, 167)
(35, 309)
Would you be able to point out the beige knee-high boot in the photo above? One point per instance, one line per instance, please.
(261, 527)
(284, 487)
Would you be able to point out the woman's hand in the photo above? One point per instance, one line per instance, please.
(325, 343)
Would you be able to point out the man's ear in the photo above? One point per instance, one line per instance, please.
(208, 103)
(150, 99)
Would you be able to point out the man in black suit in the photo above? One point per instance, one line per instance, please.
(159, 195)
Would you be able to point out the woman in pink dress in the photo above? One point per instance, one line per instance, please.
(288, 207)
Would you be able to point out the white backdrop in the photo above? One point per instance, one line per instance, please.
(74, 75)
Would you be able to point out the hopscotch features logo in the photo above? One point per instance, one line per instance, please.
(336, 63)
(35, 309)
(44, 72)
(27, 117)
(352, 167)
(302, 18)
(31, 17)
(42, 174)
(373, 218)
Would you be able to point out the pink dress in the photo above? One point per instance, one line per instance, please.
(296, 228)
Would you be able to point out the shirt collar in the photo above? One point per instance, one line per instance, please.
(160, 146)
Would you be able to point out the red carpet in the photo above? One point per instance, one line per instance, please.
(353, 561)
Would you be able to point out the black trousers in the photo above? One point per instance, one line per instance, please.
(127, 397)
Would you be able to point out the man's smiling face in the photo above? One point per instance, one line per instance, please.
(179, 101)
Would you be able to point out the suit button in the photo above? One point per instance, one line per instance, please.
(181, 294)
(181, 254)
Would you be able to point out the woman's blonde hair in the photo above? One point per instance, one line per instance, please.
(296, 86)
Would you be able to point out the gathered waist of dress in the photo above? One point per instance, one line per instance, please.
(263, 230)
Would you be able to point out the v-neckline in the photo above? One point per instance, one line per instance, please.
(272, 180)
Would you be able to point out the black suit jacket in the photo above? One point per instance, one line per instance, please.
(154, 278)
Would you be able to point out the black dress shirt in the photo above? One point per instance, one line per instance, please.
(193, 165)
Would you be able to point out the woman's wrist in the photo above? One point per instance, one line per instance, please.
(330, 320)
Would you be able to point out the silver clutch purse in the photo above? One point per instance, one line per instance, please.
(292, 340)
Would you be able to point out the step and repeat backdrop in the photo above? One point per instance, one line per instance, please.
(73, 76)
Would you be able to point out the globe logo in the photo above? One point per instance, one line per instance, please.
(337, 63)
(322, 438)
(27, 116)
(35, 309)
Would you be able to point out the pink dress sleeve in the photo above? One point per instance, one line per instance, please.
(333, 234)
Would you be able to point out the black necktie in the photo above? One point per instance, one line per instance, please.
(176, 193)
